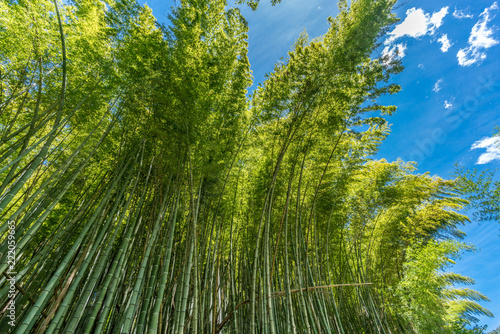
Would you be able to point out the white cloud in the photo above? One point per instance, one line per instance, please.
(417, 23)
(437, 19)
(492, 146)
(445, 43)
(479, 39)
(448, 104)
(437, 85)
(461, 14)
(421, 66)
(397, 51)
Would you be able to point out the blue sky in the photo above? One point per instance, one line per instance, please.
(450, 98)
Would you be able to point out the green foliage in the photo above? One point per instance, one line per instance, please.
(255, 3)
(482, 192)
(481, 189)
(151, 194)
(460, 328)
(428, 298)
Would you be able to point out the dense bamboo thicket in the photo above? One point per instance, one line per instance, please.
(147, 193)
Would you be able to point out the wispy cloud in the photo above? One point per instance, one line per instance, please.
(448, 104)
(421, 66)
(445, 43)
(437, 85)
(492, 146)
(396, 51)
(481, 38)
(461, 14)
(417, 23)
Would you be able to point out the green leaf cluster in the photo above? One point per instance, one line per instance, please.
(152, 194)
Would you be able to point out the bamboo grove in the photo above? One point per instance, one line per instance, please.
(150, 194)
